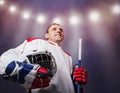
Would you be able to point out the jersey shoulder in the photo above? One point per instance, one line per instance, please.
(67, 53)
(32, 39)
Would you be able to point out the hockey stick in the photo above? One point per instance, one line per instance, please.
(79, 88)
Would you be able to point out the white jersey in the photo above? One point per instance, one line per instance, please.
(61, 82)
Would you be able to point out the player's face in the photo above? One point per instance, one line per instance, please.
(55, 33)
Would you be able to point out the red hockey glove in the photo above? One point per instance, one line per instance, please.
(41, 80)
(80, 75)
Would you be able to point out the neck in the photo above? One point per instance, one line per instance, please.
(56, 43)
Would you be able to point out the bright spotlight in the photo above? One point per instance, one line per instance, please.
(115, 9)
(2, 2)
(57, 20)
(40, 19)
(94, 16)
(74, 20)
(12, 9)
(26, 15)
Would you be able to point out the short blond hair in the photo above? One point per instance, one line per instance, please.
(51, 25)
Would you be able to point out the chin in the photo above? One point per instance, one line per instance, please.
(60, 40)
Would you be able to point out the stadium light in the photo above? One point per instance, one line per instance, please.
(2, 2)
(40, 18)
(74, 20)
(115, 9)
(12, 9)
(94, 16)
(57, 20)
(26, 15)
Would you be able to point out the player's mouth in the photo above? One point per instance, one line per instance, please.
(58, 35)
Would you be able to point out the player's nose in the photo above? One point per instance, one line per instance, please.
(58, 31)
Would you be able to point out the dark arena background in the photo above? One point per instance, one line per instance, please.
(97, 22)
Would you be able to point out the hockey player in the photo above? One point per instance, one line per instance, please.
(34, 77)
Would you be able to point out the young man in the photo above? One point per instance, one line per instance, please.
(33, 76)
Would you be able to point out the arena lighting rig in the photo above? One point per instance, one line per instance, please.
(93, 16)
(115, 9)
(41, 18)
(2, 2)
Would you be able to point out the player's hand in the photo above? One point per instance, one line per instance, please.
(80, 75)
(29, 75)
(42, 79)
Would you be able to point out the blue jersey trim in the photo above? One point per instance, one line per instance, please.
(20, 73)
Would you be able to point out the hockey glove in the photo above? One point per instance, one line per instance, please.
(80, 75)
(42, 79)
(29, 75)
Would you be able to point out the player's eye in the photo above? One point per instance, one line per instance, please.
(54, 28)
(61, 29)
